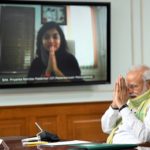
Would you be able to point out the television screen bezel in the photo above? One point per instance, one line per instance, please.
(80, 3)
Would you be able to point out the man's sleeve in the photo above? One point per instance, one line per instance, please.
(140, 129)
(109, 119)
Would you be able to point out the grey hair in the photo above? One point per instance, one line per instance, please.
(146, 75)
(139, 67)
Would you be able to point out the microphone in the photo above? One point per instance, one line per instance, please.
(43, 136)
(48, 136)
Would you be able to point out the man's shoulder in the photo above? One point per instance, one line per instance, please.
(147, 105)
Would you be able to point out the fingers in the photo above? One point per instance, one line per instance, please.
(120, 94)
(122, 83)
(52, 50)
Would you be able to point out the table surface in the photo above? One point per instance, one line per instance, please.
(14, 143)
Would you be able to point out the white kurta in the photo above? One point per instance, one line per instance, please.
(131, 131)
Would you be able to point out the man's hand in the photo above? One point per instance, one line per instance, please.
(120, 93)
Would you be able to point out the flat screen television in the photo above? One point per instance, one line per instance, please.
(54, 43)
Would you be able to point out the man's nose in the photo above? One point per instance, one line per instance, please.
(130, 90)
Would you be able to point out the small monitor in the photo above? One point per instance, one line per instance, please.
(54, 43)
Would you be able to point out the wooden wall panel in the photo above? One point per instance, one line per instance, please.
(49, 123)
(12, 127)
(69, 121)
(84, 126)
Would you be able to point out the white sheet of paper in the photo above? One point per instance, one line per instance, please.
(73, 142)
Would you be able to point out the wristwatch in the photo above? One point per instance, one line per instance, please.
(122, 107)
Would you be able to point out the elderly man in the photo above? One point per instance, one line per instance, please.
(127, 120)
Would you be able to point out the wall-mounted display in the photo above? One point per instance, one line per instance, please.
(51, 43)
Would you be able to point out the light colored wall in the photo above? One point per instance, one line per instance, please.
(130, 45)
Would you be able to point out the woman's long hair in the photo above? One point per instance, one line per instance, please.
(47, 26)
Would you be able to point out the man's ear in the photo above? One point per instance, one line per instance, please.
(148, 84)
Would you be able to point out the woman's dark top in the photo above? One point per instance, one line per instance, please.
(66, 62)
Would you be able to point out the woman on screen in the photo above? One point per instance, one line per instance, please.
(53, 59)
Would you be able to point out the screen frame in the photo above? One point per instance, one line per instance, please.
(75, 3)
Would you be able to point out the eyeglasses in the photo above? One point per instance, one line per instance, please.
(132, 86)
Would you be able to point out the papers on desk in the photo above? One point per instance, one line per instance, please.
(34, 143)
(82, 145)
(51, 144)
(73, 142)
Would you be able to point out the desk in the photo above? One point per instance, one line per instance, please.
(14, 143)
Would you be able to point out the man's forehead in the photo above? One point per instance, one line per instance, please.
(134, 77)
(135, 82)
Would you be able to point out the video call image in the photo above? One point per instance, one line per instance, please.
(44, 43)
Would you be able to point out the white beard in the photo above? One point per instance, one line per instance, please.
(143, 91)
